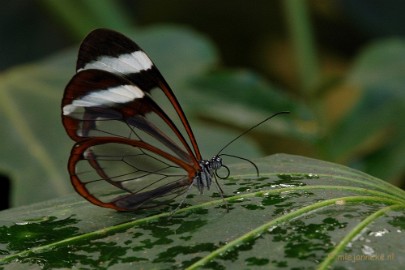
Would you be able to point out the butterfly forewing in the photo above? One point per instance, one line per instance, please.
(111, 51)
(129, 154)
(99, 103)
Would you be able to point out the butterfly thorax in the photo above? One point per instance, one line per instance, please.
(203, 179)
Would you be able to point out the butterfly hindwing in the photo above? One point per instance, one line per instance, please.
(104, 175)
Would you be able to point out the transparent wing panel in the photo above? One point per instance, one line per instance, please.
(128, 176)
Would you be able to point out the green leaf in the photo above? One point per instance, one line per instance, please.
(379, 71)
(227, 87)
(300, 213)
(34, 147)
(240, 99)
(374, 124)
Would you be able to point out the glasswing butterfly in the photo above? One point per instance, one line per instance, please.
(130, 153)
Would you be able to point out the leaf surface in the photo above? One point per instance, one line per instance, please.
(300, 212)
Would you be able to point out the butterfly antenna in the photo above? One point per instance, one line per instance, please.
(250, 129)
(245, 159)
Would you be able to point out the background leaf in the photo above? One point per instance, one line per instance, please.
(379, 72)
(370, 135)
(300, 213)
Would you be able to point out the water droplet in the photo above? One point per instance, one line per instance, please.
(340, 202)
(22, 223)
(311, 176)
(367, 250)
(379, 233)
(271, 228)
(286, 185)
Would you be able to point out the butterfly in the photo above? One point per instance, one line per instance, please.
(130, 152)
(134, 146)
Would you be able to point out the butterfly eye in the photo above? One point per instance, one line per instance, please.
(216, 162)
